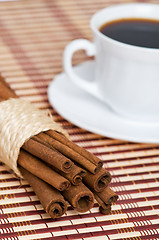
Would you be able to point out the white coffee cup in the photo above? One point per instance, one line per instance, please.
(126, 76)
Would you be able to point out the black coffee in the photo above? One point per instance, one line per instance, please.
(133, 31)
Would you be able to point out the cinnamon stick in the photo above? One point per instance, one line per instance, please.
(107, 196)
(64, 149)
(89, 156)
(51, 199)
(75, 176)
(99, 181)
(48, 155)
(80, 197)
(41, 170)
(105, 210)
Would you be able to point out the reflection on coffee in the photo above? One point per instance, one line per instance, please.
(133, 31)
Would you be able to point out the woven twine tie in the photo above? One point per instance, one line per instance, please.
(19, 121)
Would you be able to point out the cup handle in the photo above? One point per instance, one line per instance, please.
(70, 49)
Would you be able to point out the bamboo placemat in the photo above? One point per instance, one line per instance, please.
(33, 34)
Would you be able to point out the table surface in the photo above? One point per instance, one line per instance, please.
(33, 35)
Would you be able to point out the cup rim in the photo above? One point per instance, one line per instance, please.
(116, 42)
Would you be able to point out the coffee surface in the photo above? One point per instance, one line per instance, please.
(133, 31)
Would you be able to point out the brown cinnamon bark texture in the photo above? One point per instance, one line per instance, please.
(100, 201)
(107, 196)
(105, 210)
(99, 181)
(41, 170)
(48, 155)
(75, 176)
(67, 151)
(89, 156)
(51, 199)
(104, 202)
(80, 197)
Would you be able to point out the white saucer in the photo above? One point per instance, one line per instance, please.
(87, 112)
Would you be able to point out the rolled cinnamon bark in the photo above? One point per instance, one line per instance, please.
(104, 207)
(48, 154)
(70, 153)
(51, 199)
(80, 197)
(89, 156)
(99, 181)
(107, 196)
(75, 176)
(41, 170)
(105, 210)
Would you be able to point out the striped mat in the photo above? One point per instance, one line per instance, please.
(33, 34)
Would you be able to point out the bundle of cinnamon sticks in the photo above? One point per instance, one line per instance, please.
(60, 171)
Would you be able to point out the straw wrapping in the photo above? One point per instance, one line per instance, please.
(19, 121)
